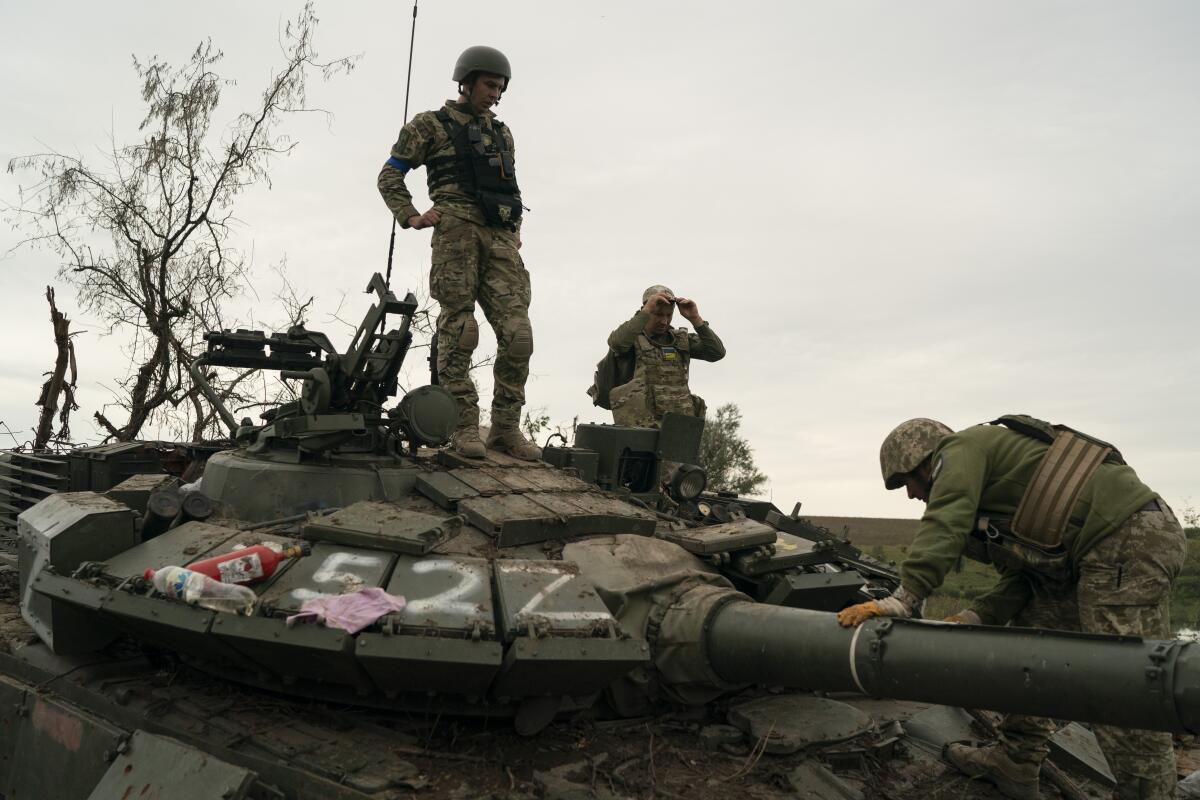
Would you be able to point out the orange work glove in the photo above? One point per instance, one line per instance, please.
(856, 615)
(900, 604)
(964, 617)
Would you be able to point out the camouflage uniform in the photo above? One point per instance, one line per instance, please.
(660, 377)
(472, 262)
(1123, 588)
(1124, 547)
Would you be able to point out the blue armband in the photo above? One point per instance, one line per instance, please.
(396, 163)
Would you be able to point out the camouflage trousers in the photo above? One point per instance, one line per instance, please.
(472, 264)
(1123, 588)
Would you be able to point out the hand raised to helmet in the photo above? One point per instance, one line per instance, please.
(657, 303)
(689, 310)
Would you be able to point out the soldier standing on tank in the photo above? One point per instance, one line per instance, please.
(476, 219)
(662, 358)
(1081, 544)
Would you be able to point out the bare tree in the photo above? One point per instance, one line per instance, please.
(145, 237)
(57, 385)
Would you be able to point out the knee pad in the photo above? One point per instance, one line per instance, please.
(468, 336)
(521, 345)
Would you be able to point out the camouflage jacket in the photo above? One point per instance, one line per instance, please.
(661, 370)
(423, 138)
(704, 344)
(985, 469)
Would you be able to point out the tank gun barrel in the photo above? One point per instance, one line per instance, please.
(1112, 680)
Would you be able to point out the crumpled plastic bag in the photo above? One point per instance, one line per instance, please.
(350, 612)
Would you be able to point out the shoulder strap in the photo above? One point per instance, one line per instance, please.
(499, 141)
(1044, 431)
(1029, 426)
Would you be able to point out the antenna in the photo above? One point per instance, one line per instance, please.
(412, 38)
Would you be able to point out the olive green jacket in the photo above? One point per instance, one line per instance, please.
(985, 469)
(704, 344)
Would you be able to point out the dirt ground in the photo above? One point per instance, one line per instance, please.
(671, 756)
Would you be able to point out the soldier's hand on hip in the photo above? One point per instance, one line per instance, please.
(419, 221)
(689, 309)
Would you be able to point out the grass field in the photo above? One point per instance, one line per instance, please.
(889, 539)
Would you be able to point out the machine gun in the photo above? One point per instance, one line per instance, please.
(341, 402)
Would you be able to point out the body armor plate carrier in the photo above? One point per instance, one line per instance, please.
(483, 170)
(1034, 537)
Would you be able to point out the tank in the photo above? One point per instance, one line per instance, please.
(601, 590)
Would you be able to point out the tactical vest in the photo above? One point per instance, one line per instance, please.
(482, 166)
(659, 384)
(1036, 537)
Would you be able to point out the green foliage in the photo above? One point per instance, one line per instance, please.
(536, 421)
(1185, 594)
(1189, 514)
(537, 426)
(726, 456)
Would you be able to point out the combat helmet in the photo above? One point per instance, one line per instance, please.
(482, 58)
(907, 446)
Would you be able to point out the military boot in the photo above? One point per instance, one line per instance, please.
(505, 437)
(466, 442)
(1015, 779)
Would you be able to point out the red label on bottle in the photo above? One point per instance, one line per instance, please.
(242, 569)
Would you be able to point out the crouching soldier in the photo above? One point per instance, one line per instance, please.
(1081, 544)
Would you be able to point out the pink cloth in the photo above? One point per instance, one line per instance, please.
(351, 612)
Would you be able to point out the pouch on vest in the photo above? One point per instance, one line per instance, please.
(500, 210)
(1064, 470)
(485, 171)
(615, 369)
(994, 542)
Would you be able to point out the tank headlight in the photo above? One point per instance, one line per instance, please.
(687, 481)
(428, 415)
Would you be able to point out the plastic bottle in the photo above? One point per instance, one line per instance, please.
(193, 587)
(248, 564)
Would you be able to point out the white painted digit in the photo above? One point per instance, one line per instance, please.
(531, 607)
(328, 571)
(333, 570)
(451, 600)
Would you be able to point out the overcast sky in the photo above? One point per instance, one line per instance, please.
(885, 209)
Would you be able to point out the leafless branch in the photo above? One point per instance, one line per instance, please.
(144, 237)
